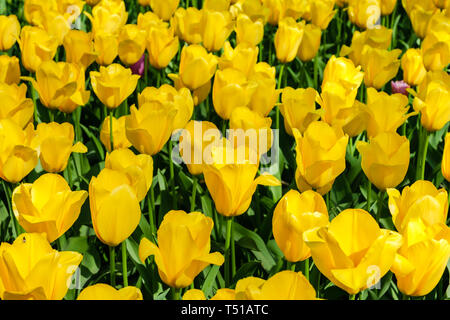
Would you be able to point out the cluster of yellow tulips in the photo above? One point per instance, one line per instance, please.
(319, 101)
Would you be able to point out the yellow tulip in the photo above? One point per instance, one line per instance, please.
(187, 24)
(195, 138)
(131, 44)
(149, 20)
(322, 12)
(298, 107)
(248, 31)
(45, 273)
(353, 252)
(108, 17)
(17, 156)
(242, 58)
(436, 49)
(320, 156)
(364, 13)
(433, 100)
(216, 5)
(230, 178)
(198, 95)
(379, 38)
(9, 69)
(55, 24)
(47, 205)
(171, 98)
(183, 249)
(379, 66)
(409, 5)
(216, 27)
(280, 9)
(421, 261)
(309, 47)
(421, 200)
(288, 38)
(107, 47)
(34, 10)
(16, 105)
(101, 291)
(92, 2)
(266, 94)
(445, 167)
(385, 159)
(79, 48)
(60, 85)
(343, 71)
(386, 113)
(56, 144)
(164, 9)
(194, 294)
(197, 66)
(254, 9)
(150, 127)
(119, 134)
(162, 46)
(36, 46)
(247, 125)
(115, 209)
(441, 4)
(231, 89)
(294, 214)
(387, 6)
(420, 20)
(113, 84)
(144, 3)
(9, 31)
(412, 65)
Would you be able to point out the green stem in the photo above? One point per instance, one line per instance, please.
(194, 191)
(380, 199)
(176, 293)
(158, 79)
(423, 154)
(369, 193)
(151, 210)
(51, 115)
(280, 78)
(7, 190)
(318, 285)
(112, 266)
(62, 242)
(316, 72)
(146, 69)
(124, 265)
(228, 241)
(307, 269)
(352, 297)
(291, 265)
(111, 138)
(172, 176)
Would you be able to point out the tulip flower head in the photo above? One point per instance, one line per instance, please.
(445, 166)
(16, 106)
(9, 30)
(288, 38)
(101, 291)
(197, 66)
(119, 133)
(9, 69)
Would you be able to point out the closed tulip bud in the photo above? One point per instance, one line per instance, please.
(433, 100)
(119, 134)
(107, 47)
(36, 46)
(364, 13)
(412, 65)
(230, 177)
(421, 200)
(47, 205)
(131, 44)
(216, 27)
(9, 31)
(320, 156)
(247, 126)
(248, 31)
(352, 251)
(387, 6)
(445, 166)
(109, 17)
(385, 159)
(379, 38)
(298, 107)
(164, 9)
(115, 209)
(17, 156)
(309, 47)
(436, 49)
(242, 58)
(171, 98)
(138, 168)
(162, 46)
(79, 48)
(343, 71)
(197, 66)
(9, 69)
(16, 106)
(101, 291)
(420, 19)
(150, 127)
(231, 89)
(60, 85)
(266, 94)
(113, 84)
(379, 66)
(288, 37)
(56, 144)
(185, 235)
(294, 214)
(187, 23)
(322, 12)
(45, 273)
(195, 138)
(386, 113)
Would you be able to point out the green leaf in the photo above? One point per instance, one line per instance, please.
(208, 285)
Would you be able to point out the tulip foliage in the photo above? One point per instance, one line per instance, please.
(224, 149)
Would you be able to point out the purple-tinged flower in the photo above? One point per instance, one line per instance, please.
(400, 87)
(139, 67)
